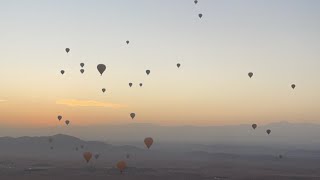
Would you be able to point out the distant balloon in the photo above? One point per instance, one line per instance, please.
(132, 115)
(148, 72)
(82, 71)
(178, 65)
(97, 156)
(67, 122)
(62, 72)
(121, 165)
(87, 156)
(148, 142)
(67, 50)
(103, 90)
(101, 68)
(195, 1)
(82, 64)
(140, 84)
(293, 86)
(59, 117)
(250, 74)
(254, 126)
(200, 16)
(130, 84)
(127, 42)
(268, 131)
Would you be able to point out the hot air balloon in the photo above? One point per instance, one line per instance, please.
(59, 117)
(195, 1)
(200, 16)
(82, 64)
(293, 86)
(250, 74)
(101, 68)
(67, 122)
(67, 50)
(140, 84)
(132, 115)
(178, 65)
(121, 165)
(127, 42)
(148, 72)
(87, 156)
(103, 90)
(130, 84)
(148, 142)
(254, 126)
(97, 156)
(82, 71)
(268, 131)
(62, 72)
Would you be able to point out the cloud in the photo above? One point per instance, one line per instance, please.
(88, 103)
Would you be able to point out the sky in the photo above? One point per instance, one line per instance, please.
(276, 40)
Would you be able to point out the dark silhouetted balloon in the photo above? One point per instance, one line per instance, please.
(121, 165)
(130, 84)
(127, 42)
(200, 16)
(148, 142)
(87, 156)
(178, 65)
(254, 126)
(101, 68)
(67, 50)
(148, 72)
(59, 117)
(103, 90)
(82, 64)
(140, 84)
(67, 122)
(132, 115)
(195, 1)
(62, 72)
(293, 86)
(250, 74)
(97, 156)
(82, 71)
(268, 131)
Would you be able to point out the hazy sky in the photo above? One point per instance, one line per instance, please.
(278, 40)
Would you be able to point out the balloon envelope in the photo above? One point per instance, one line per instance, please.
(148, 72)
(103, 90)
(293, 86)
(101, 68)
(127, 42)
(87, 156)
(62, 72)
(59, 117)
(178, 65)
(67, 50)
(67, 122)
(82, 64)
(121, 165)
(148, 142)
(250, 74)
(130, 84)
(268, 131)
(200, 15)
(132, 115)
(195, 1)
(140, 84)
(254, 126)
(97, 156)
(82, 71)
